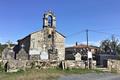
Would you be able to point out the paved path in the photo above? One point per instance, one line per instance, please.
(92, 76)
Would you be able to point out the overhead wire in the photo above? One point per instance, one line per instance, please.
(75, 34)
(106, 33)
(90, 30)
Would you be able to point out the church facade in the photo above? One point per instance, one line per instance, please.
(45, 44)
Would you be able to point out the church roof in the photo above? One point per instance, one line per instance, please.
(55, 30)
(38, 31)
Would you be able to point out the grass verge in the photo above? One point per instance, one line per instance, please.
(42, 74)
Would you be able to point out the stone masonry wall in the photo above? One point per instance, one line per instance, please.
(15, 65)
(77, 64)
(37, 42)
(60, 45)
(114, 65)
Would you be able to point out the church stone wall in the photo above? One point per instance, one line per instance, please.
(37, 42)
(37, 39)
(59, 42)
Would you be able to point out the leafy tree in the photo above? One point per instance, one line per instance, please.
(109, 46)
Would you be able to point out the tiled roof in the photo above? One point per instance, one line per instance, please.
(84, 46)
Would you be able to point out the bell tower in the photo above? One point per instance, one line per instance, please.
(49, 20)
(49, 27)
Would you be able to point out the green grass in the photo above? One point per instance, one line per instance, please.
(41, 74)
(81, 71)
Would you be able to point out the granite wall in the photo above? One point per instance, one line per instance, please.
(114, 65)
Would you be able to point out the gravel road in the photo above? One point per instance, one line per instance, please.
(92, 76)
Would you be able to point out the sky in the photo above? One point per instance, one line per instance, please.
(19, 18)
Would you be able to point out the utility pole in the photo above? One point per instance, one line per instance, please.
(88, 52)
(87, 36)
(87, 62)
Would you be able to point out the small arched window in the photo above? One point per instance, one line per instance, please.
(50, 21)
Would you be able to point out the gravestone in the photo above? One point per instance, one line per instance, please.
(78, 57)
(44, 55)
(34, 54)
(22, 55)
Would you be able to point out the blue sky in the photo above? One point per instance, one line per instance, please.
(19, 18)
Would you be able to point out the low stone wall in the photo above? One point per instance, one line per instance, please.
(14, 65)
(93, 64)
(77, 64)
(114, 65)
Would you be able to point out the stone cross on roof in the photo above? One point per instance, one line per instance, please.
(22, 46)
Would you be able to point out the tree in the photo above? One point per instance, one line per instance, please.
(110, 46)
(105, 45)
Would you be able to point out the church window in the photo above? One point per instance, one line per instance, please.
(50, 21)
(49, 36)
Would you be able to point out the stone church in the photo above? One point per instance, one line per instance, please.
(45, 44)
